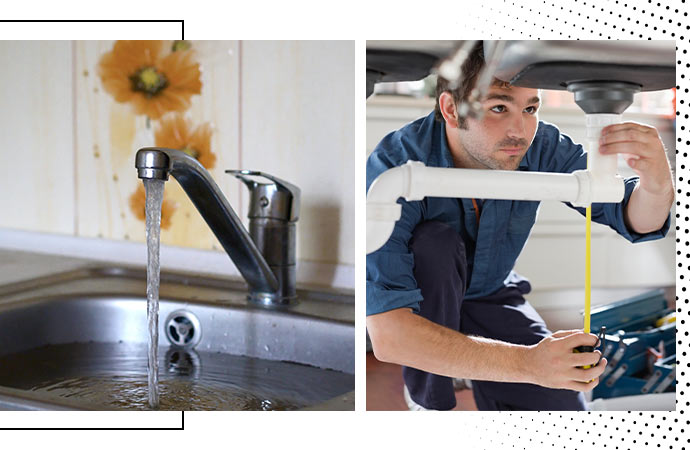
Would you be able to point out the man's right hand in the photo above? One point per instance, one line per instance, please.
(553, 364)
(402, 337)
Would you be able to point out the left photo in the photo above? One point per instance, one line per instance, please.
(177, 226)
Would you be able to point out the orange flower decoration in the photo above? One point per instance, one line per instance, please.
(136, 72)
(137, 203)
(174, 131)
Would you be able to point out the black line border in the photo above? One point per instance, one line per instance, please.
(181, 21)
(97, 429)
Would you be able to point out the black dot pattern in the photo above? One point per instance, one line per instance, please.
(578, 19)
(605, 19)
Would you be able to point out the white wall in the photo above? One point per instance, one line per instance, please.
(298, 123)
(36, 136)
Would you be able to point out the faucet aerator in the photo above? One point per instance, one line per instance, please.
(152, 174)
(152, 164)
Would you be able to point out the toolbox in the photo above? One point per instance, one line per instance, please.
(639, 344)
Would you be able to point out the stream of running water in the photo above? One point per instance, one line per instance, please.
(154, 201)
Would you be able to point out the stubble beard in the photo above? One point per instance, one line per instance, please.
(488, 162)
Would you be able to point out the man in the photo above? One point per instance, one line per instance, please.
(442, 298)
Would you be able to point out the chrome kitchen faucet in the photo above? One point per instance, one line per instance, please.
(266, 255)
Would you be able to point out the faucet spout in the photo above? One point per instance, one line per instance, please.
(160, 163)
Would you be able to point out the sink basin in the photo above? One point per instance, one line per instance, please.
(78, 339)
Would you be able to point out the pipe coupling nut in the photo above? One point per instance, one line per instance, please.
(412, 170)
(584, 191)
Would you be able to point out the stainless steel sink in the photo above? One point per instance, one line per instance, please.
(105, 307)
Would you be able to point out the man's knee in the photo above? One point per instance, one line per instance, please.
(495, 396)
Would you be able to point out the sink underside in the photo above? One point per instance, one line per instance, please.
(91, 323)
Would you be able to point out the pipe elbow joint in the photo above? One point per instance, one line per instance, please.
(383, 209)
(598, 188)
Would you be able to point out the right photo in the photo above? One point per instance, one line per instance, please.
(521, 225)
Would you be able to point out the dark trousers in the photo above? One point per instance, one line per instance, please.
(441, 274)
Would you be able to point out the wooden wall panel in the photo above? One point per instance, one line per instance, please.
(298, 124)
(37, 165)
(109, 134)
(104, 150)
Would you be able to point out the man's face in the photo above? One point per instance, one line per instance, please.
(500, 139)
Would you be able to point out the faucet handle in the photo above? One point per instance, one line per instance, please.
(277, 200)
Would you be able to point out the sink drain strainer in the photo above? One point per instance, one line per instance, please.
(181, 362)
(183, 329)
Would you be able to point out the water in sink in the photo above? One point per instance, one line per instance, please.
(111, 375)
(154, 201)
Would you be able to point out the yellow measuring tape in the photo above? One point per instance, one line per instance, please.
(588, 259)
(588, 278)
(588, 281)
(588, 269)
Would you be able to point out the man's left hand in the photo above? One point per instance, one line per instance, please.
(644, 152)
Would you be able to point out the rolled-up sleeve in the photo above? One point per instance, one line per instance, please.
(611, 214)
(390, 278)
(560, 154)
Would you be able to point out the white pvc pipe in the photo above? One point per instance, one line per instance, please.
(414, 181)
(494, 184)
(600, 165)
(382, 207)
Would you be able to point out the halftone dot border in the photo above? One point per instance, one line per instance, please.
(604, 19)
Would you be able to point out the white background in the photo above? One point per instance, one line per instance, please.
(554, 19)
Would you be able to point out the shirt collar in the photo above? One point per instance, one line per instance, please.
(523, 164)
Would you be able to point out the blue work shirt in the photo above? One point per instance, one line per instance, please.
(492, 244)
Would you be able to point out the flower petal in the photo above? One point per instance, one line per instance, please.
(134, 54)
(201, 142)
(167, 210)
(201, 137)
(126, 57)
(137, 202)
(173, 132)
(208, 160)
(166, 102)
(182, 72)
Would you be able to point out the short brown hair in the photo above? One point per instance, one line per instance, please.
(470, 71)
